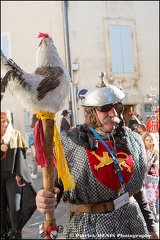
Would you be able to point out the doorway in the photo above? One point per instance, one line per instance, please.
(127, 117)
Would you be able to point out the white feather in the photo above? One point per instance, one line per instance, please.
(54, 100)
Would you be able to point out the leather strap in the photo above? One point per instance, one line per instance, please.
(94, 208)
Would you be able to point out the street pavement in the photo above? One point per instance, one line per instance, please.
(31, 229)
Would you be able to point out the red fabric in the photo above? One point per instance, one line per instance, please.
(50, 229)
(40, 155)
(102, 166)
(152, 125)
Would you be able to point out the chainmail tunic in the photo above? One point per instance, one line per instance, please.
(126, 222)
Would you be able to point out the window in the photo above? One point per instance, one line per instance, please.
(121, 49)
(5, 44)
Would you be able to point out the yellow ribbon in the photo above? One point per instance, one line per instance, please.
(45, 115)
(62, 167)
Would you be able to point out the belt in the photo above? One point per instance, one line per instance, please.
(95, 207)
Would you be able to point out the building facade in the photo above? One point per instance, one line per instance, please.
(117, 37)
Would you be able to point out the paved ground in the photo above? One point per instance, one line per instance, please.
(31, 229)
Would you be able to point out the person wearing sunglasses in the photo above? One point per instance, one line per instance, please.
(107, 163)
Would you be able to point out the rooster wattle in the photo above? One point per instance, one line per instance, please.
(46, 88)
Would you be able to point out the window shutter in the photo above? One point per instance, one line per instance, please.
(121, 49)
(127, 49)
(116, 49)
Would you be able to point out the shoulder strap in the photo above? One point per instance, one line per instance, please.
(116, 164)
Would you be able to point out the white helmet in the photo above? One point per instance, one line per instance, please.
(102, 94)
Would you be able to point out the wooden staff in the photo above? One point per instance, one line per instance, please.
(48, 172)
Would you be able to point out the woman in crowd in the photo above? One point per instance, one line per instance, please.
(17, 191)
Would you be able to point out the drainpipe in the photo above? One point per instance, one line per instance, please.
(68, 62)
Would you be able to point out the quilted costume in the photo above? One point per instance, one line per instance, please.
(107, 163)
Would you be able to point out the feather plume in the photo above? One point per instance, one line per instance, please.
(46, 88)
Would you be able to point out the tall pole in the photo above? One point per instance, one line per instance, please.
(68, 60)
(48, 172)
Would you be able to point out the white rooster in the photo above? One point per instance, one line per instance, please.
(46, 88)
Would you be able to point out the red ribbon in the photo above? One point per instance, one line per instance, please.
(40, 155)
(50, 229)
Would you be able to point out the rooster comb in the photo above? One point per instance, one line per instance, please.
(43, 35)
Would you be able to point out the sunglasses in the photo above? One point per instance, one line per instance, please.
(106, 108)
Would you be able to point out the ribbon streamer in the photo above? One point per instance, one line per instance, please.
(62, 167)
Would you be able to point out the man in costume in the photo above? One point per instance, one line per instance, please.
(152, 124)
(17, 190)
(107, 163)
